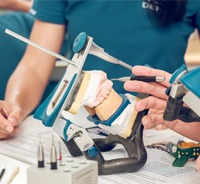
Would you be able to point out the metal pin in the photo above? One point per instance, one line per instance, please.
(58, 56)
(40, 154)
(53, 156)
(60, 155)
(99, 52)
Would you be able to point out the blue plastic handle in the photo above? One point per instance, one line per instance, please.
(177, 72)
(191, 80)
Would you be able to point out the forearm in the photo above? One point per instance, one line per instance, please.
(24, 89)
(189, 130)
(24, 6)
(157, 102)
(30, 78)
(17, 5)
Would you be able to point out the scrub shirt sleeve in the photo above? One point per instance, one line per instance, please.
(52, 11)
(197, 16)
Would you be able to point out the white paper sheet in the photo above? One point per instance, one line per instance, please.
(157, 170)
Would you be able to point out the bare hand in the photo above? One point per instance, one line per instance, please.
(156, 102)
(10, 117)
(198, 163)
(18, 5)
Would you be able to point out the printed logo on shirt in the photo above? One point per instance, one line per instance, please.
(147, 4)
(32, 11)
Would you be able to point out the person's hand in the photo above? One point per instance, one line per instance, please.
(198, 163)
(17, 5)
(10, 117)
(156, 102)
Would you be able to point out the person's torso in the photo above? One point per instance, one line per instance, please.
(126, 31)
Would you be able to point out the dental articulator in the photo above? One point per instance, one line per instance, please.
(76, 138)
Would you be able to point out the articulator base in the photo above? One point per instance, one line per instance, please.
(134, 147)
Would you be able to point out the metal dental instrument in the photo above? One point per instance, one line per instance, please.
(60, 158)
(58, 56)
(140, 78)
(40, 154)
(53, 156)
(94, 50)
(99, 52)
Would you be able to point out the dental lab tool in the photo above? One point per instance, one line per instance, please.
(13, 174)
(78, 47)
(141, 78)
(75, 171)
(99, 52)
(58, 56)
(60, 158)
(53, 155)
(70, 170)
(40, 155)
(75, 137)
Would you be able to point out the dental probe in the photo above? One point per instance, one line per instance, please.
(58, 56)
(141, 78)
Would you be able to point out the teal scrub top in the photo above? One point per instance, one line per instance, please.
(12, 49)
(125, 29)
